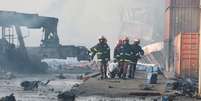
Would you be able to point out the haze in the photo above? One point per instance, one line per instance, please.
(82, 21)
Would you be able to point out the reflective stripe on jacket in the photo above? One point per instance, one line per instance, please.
(102, 51)
(125, 52)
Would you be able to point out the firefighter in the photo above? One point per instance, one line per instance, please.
(137, 54)
(117, 55)
(117, 49)
(102, 50)
(124, 57)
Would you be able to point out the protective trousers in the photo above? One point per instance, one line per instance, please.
(132, 70)
(123, 69)
(103, 70)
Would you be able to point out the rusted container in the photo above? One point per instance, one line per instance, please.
(180, 16)
(187, 55)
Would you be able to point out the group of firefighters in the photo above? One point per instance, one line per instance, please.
(125, 53)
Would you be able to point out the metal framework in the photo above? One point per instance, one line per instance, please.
(10, 20)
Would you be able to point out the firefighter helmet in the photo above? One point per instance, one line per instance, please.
(137, 41)
(126, 39)
(120, 41)
(101, 38)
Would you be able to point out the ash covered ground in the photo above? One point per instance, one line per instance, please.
(11, 82)
(43, 93)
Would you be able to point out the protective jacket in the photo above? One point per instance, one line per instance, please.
(117, 51)
(102, 50)
(125, 52)
(137, 52)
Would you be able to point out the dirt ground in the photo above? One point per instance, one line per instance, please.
(91, 90)
(42, 94)
(122, 88)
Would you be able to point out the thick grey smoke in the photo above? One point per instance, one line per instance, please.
(82, 21)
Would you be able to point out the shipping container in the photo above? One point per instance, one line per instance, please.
(182, 3)
(187, 55)
(181, 19)
(180, 16)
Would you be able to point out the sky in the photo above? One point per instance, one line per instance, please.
(81, 22)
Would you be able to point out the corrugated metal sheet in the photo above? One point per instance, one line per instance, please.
(181, 16)
(182, 19)
(182, 3)
(153, 54)
(185, 3)
(153, 58)
(187, 55)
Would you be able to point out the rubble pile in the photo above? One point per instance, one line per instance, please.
(32, 85)
(66, 96)
(11, 97)
(182, 87)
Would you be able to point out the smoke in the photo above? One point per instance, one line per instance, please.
(82, 21)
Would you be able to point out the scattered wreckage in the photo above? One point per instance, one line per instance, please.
(66, 96)
(11, 97)
(32, 85)
(182, 87)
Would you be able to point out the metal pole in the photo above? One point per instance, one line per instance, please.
(199, 75)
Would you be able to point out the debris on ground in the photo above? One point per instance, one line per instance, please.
(146, 87)
(187, 87)
(183, 87)
(31, 85)
(171, 85)
(61, 76)
(7, 75)
(66, 96)
(10, 75)
(11, 97)
(76, 85)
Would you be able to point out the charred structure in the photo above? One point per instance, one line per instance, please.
(19, 57)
